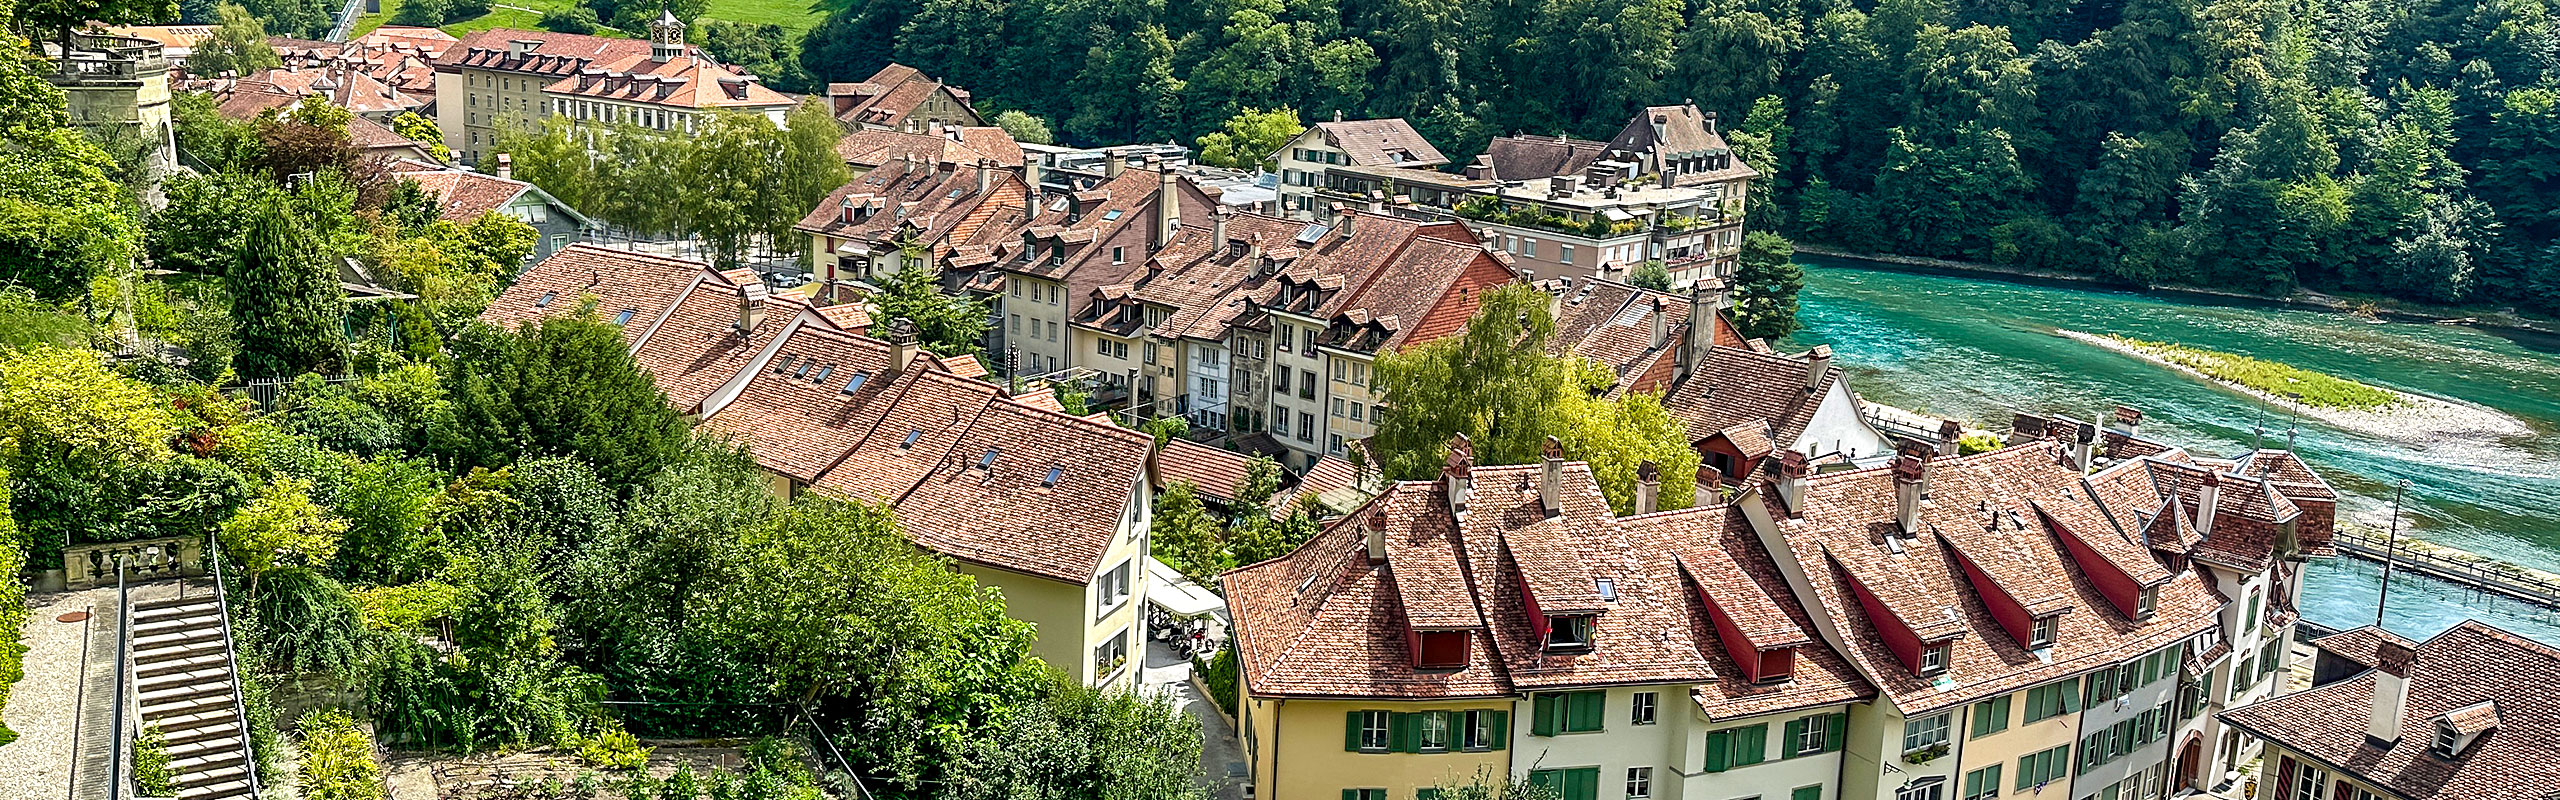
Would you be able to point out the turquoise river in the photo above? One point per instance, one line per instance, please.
(1979, 348)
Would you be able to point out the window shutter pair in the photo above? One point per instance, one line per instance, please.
(1588, 710)
(1542, 714)
(1813, 792)
(1751, 745)
(1582, 784)
(1404, 732)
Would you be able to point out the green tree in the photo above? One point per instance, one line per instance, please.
(60, 17)
(286, 301)
(279, 529)
(417, 128)
(946, 324)
(1024, 127)
(237, 46)
(1766, 280)
(1493, 383)
(1652, 274)
(1077, 742)
(834, 602)
(1618, 436)
(64, 220)
(1249, 137)
(1185, 537)
(202, 229)
(566, 386)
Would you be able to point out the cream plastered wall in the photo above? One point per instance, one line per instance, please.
(1298, 750)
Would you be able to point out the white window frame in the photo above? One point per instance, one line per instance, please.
(1373, 728)
(1639, 783)
(1644, 709)
(1926, 732)
(1111, 590)
(1816, 735)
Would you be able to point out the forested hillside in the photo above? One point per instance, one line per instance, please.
(2402, 147)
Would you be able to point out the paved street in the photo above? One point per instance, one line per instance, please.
(1221, 756)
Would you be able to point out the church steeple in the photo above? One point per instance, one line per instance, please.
(666, 37)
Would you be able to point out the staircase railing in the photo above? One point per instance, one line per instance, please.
(239, 682)
(121, 737)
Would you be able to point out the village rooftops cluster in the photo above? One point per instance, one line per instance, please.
(632, 71)
(975, 474)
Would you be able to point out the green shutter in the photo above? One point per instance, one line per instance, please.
(1813, 792)
(1991, 780)
(2070, 699)
(1795, 733)
(1351, 731)
(1427, 793)
(1752, 744)
(1839, 729)
(2027, 770)
(1350, 794)
(1973, 784)
(1542, 719)
(1501, 730)
(1551, 780)
(1589, 709)
(1717, 743)
(1403, 731)
(1582, 784)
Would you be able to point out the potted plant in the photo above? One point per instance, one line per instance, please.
(1926, 754)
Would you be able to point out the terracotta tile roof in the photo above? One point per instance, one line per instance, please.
(1381, 142)
(1981, 509)
(463, 195)
(2287, 473)
(965, 146)
(794, 414)
(1327, 474)
(1212, 472)
(551, 54)
(1527, 157)
(688, 81)
(1323, 621)
(2360, 645)
(621, 280)
(888, 97)
(939, 207)
(696, 347)
(900, 442)
(371, 136)
(2451, 678)
(1679, 131)
(1011, 515)
(1734, 386)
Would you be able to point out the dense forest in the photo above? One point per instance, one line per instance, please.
(2394, 147)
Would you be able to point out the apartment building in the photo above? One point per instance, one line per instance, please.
(1049, 508)
(504, 79)
(2467, 714)
(1073, 246)
(910, 213)
(1303, 163)
(1171, 323)
(1502, 619)
(899, 98)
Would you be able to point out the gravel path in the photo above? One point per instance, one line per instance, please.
(42, 706)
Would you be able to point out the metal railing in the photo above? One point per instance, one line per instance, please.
(788, 716)
(117, 777)
(239, 682)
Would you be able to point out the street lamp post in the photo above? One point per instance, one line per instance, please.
(2390, 552)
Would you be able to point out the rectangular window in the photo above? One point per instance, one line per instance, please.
(1119, 255)
(2309, 783)
(1567, 712)
(1982, 783)
(1568, 784)
(2038, 769)
(1925, 732)
(1933, 659)
(1306, 427)
(1336, 446)
(1151, 352)
(1279, 421)
(1111, 655)
(1639, 782)
(1101, 347)
(1307, 346)
(1337, 407)
(1280, 381)
(1642, 710)
(1434, 735)
(1484, 730)
(2040, 634)
(1528, 248)
(1564, 253)
(1821, 733)
(1355, 412)
(1338, 370)
(1991, 716)
(1111, 588)
(1306, 384)
(1568, 631)
(1053, 331)
(1369, 731)
(2051, 700)
(1813, 792)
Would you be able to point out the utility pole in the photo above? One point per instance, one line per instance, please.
(2390, 552)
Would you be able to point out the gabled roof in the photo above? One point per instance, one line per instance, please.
(1214, 473)
(688, 81)
(888, 97)
(1523, 156)
(1981, 507)
(1381, 142)
(544, 52)
(795, 415)
(2451, 678)
(965, 146)
(1009, 514)
(696, 346)
(941, 206)
(621, 280)
(1733, 386)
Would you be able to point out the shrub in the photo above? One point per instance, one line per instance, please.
(152, 776)
(613, 748)
(337, 759)
(1218, 673)
(2314, 389)
(1977, 442)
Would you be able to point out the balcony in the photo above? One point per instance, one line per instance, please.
(1489, 209)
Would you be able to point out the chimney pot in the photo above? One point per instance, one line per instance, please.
(1950, 438)
(1910, 474)
(1377, 530)
(2084, 445)
(1791, 479)
(2208, 500)
(1817, 366)
(2129, 420)
(506, 166)
(902, 345)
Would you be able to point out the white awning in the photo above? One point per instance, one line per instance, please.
(1178, 594)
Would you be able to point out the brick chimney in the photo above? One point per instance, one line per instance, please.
(2390, 692)
(1457, 476)
(1648, 487)
(1950, 438)
(1791, 472)
(2207, 500)
(1817, 365)
(1910, 474)
(1551, 478)
(902, 345)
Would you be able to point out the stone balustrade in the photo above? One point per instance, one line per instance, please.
(92, 565)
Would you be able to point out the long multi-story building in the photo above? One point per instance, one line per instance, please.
(2028, 622)
(500, 80)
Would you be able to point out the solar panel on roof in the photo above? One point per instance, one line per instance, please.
(1312, 232)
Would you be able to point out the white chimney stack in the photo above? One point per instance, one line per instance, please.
(1457, 476)
(2084, 445)
(1551, 477)
(1648, 487)
(2207, 499)
(1908, 469)
(2390, 692)
(1817, 365)
(506, 167)
(1378, 536)
(1791, 472)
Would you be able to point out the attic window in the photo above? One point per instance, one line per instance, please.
(2150, 602)
(1440, 650)
(545, 299)
(1777, 665)
(1570, 632)
(988, 460)
(823, 372)
(785, 365)
(1933, 658)
(1608, 588)
(2040, 633)
(854, 383)
(803, 371)
(1110, 215)
(623, 317)
(912, 435)
(1052, 478)
(2446, 738)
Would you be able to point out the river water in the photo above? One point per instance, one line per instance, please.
(1980, 349)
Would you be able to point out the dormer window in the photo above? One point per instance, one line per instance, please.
(1777, 665)
(1571, 632)
(1933, 658)
(2150, 602)
(1440, 650)
(2040, 633)
(2446, 738)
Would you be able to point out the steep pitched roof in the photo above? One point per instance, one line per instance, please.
(688, 81)
(463, 195)
(1381, 142)
(641, 284)
(1733, 386)
(1981, 510)
(1212, 472)
(1008, 512)
(796, 415)
(536, 52)
(697, 346)
(965, 146)
(888, 96)
(2473, 677)
(939, 205)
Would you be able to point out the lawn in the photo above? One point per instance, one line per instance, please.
(2315, 389)
(527, 14)
(793, 14)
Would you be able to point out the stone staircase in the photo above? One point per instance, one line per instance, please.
(184, 686)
